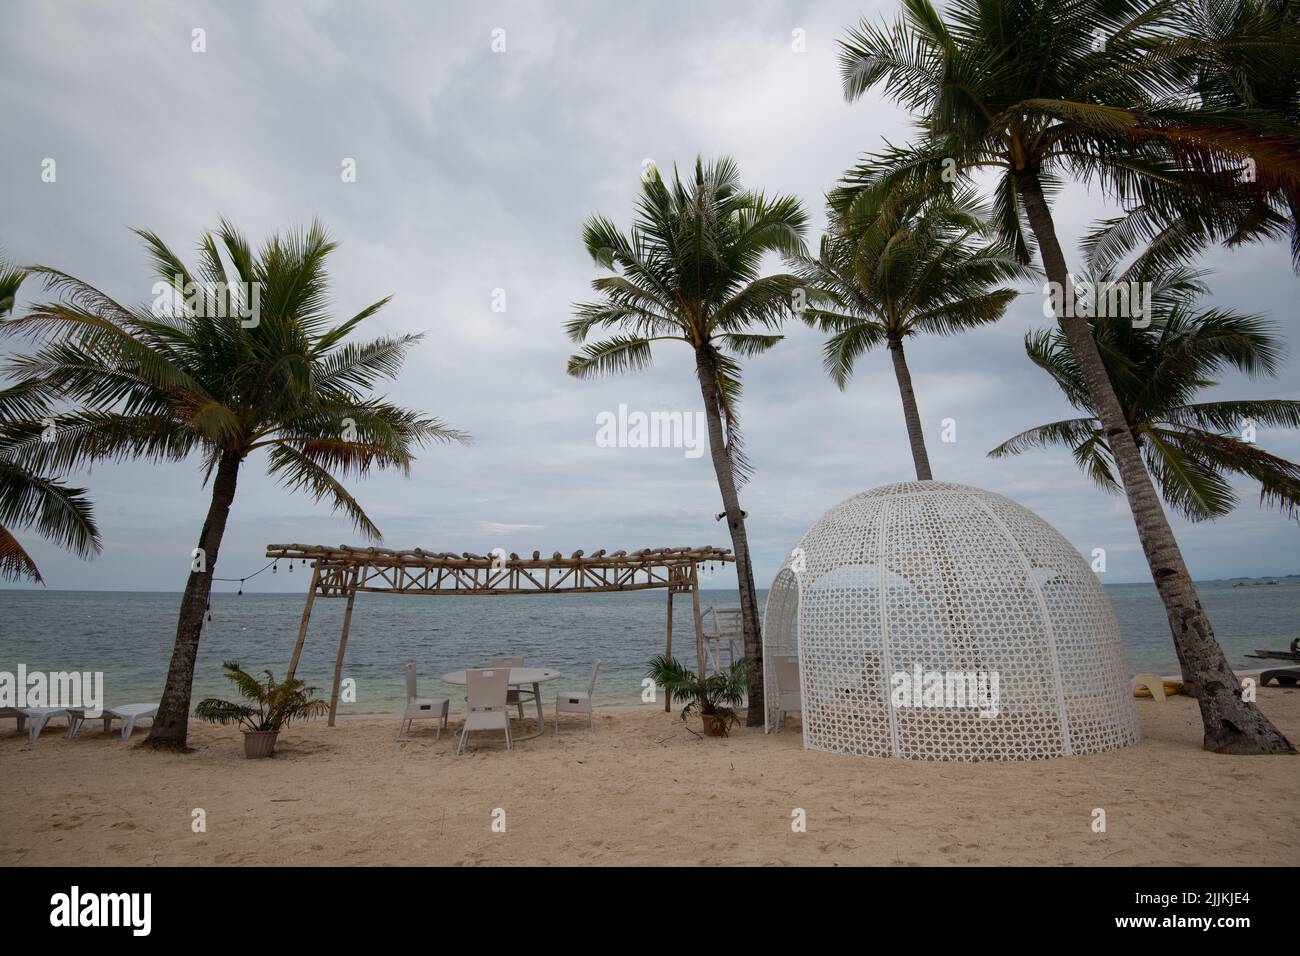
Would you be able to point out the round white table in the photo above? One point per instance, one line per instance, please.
(519, 676)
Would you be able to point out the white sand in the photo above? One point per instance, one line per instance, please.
(641, 789)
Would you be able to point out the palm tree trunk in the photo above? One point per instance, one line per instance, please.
(751, 626)
(1231, 724)
(171, 725)
(910, 413)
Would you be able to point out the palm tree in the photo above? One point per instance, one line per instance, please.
(244, 357)
(689, 270)
(1246, 62)
(1190, 447)
(892, 268)
(27, 499)
(1095, 90)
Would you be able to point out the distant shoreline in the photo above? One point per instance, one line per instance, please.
(1261, 580)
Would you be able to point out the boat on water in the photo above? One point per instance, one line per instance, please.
(1276, 655)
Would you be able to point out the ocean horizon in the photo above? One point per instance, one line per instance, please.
(128, 635)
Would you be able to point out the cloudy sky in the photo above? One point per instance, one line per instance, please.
(475, 171)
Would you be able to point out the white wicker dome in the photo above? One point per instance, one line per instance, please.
(972, 584)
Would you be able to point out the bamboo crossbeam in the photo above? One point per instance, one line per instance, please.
(342, 570)
(417, 557)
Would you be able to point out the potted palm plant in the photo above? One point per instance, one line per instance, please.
(277, 703)
(714, 697)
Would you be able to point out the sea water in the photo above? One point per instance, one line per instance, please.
(128, 636)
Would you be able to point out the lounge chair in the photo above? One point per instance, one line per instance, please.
(515, 695)
(789, 698)
(485, 703)
(577, 702)
(16, 713)
(1152, 683)
(38, 717)
(418, 707)
(1285, 676)
(128, 714)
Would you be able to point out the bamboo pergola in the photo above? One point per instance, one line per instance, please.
(343, 571)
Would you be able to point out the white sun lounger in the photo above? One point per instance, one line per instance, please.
(128, 714)
(16, 713)
(37, 717)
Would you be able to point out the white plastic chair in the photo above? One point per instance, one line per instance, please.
(577, 702)
(485, 703)
(515, 695)
(418, 707)
(788, 696)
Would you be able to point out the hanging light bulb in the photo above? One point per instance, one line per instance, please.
(274, 567)
(208, 611)
(241, 585)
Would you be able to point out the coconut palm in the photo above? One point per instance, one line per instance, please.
(891, 268)
(29, 500)
(1035, 91)
(1245, 60)
(690, 270)
(236, 357)
(1190, 448)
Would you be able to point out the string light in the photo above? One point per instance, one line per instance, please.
(270, 564)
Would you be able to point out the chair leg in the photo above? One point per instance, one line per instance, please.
(520, 705)
(128, 725)
(460, 747)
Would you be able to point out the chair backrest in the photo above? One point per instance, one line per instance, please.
(410, 682)
(486, 688)
(507, 662)
(591, 688)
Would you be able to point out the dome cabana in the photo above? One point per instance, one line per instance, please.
(935, 621)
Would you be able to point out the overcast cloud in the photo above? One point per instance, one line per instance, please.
(475, 171)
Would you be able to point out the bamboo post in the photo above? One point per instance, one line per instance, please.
(699, 621)
(668, 648)
(306, 616)
(343, 644)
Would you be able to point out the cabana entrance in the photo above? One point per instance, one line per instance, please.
(343, 571)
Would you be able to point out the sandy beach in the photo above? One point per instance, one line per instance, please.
(640, 789)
